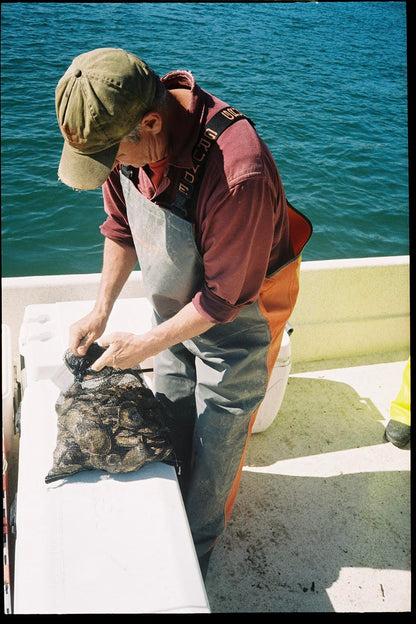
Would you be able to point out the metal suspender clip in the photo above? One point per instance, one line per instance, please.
(127, 171)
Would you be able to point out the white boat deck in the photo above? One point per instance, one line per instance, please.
(321, 522)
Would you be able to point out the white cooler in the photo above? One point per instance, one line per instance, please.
(93, 543)
(276, 387)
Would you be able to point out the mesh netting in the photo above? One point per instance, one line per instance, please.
(108, 420)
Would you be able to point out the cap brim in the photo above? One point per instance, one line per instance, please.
(86, 172)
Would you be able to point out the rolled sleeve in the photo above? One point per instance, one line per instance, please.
(117, 232)
(213, 308)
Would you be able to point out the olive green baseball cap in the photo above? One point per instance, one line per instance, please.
(99, 100)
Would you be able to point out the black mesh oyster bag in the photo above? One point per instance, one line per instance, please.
(108, 420)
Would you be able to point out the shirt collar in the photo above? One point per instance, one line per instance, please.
(185, 125)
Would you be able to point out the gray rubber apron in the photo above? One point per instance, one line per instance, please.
(210, 385)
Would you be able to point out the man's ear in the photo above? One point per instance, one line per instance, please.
(152, 122)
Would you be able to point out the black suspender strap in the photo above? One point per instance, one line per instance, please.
(190, 180)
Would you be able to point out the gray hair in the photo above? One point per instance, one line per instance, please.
(159, 104)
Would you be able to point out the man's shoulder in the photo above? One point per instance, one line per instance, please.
(242, 154)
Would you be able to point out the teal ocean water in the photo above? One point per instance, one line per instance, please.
(325, 82)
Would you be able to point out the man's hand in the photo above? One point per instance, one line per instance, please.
(85, 331)
(125, 350)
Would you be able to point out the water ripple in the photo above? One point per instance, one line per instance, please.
(325, 83)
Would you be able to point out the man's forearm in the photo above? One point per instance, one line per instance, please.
(127, 350)
(118, 262)
(186, 324)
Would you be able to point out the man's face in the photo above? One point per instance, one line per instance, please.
(130, 153)
(151, 147)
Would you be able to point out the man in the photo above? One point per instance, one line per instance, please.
(219, 255)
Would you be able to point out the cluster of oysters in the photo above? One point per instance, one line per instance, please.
(108, 420)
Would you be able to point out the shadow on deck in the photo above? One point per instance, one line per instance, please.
(321, 522)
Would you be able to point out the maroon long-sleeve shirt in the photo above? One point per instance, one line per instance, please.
(241, 220)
